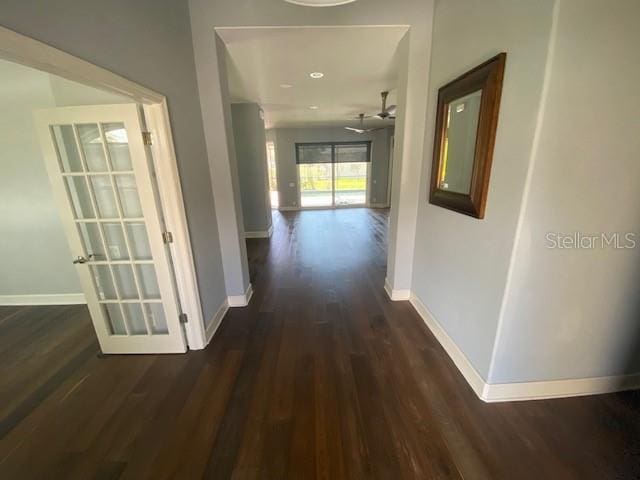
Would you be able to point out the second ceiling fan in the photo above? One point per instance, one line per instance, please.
(386, 113)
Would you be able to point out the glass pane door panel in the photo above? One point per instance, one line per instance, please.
(104, 282)
(79, 197)
(118, 146)
(90, 234)
(105, 200)
(157, 320)
(138, 240)
(91, 142)
(106, 192)
(115, 319)
(66, 148)
(125, 282)
(316, 189)
(116, 244)
(351, 183)
(148, 281)
(128, 193)
(135, 318)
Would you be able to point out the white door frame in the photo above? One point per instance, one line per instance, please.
(26, 51)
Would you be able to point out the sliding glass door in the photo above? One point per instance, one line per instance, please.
(333, 174)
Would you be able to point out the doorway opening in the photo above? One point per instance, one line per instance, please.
(325, 103)
(96, 151)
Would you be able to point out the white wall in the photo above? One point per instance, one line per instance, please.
(208, 14)
(34, 254)
(149, 42)
(575, 313)
(460, 263)
(251, 153)
(285, 139)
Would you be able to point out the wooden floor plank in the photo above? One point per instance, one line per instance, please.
(321, 376)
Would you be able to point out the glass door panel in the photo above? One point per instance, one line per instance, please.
(351, 183)
(100, 172)
(316, 184)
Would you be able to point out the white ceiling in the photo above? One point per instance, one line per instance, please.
(358, 63)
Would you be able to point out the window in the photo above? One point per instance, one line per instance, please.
(271, 171)
(333, 174)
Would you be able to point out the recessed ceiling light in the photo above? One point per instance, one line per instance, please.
(316, 74)
(285, 85)
(313, 107)
(319, 3)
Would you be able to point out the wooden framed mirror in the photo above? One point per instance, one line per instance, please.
(466, 122)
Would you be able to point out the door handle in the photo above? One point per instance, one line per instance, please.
(80, 259)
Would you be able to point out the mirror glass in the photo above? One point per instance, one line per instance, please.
(459, 143)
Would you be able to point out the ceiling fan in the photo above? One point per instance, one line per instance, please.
(387, 112)
(362, 129)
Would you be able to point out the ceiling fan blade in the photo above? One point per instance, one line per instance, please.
(391, 110)
(357, 130)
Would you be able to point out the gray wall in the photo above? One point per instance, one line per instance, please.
(460, 263)
(149, 42)
(575, 313)
(34, 253)
(285, 139)
(251, 155)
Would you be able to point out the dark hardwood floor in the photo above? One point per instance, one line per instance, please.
(321, 376)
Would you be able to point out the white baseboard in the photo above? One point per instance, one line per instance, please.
(573, 387)
(288, 209)
(241, 300)
(44, 299)
(504, 392)
(215, 322)
(471, 375)
(396, 295)
(259, 233)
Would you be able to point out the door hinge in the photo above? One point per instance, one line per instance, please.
(146, 138)
(167, 237)
(183, 318)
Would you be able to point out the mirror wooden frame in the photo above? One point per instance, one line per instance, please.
(488, 78)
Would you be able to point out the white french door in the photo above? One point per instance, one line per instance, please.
(103, 182)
